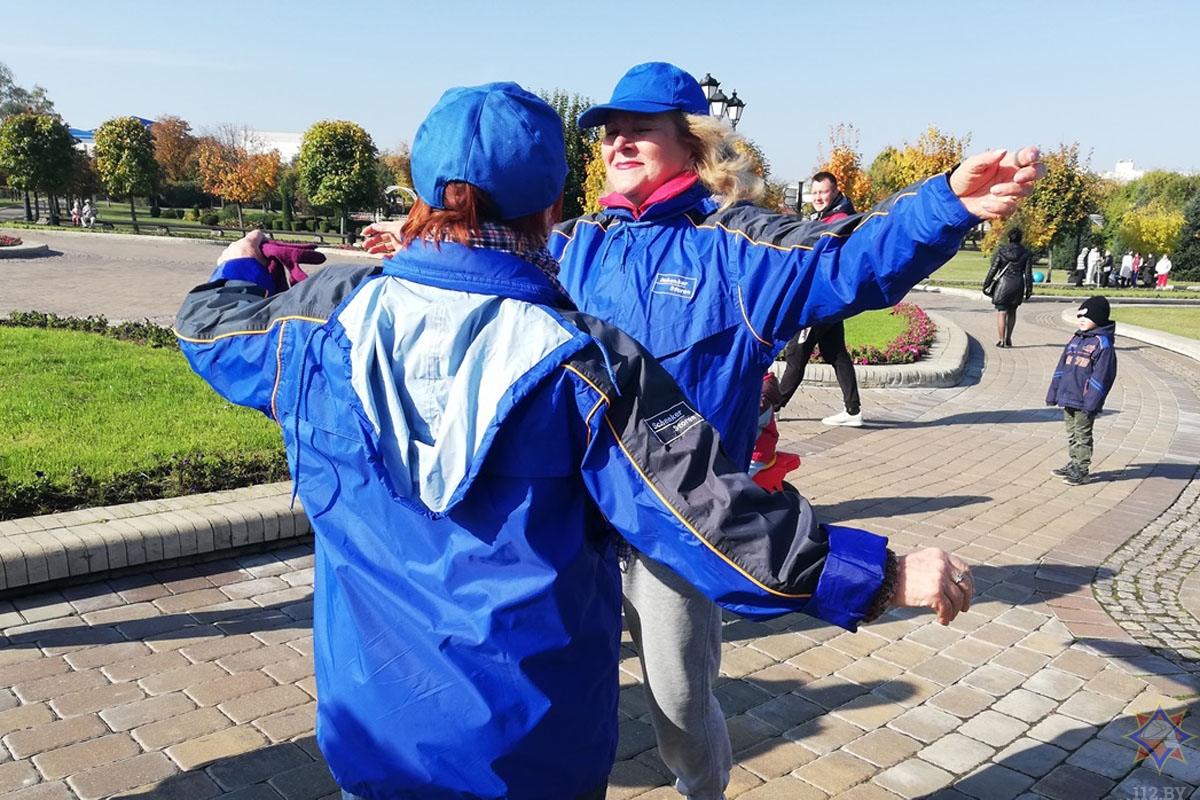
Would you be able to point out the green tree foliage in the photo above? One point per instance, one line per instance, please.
(883, 176)
(125, 160)
(337, 167)
(1143, 210)
(15, 99)
(1185, 255)
(579, 148)
(1057, 211)
(37, 153)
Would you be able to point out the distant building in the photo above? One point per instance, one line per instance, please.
(1124, 172)
(288, 144)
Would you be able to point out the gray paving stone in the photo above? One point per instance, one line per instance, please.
(1072, 783)
(1031, 756)
(957, 753)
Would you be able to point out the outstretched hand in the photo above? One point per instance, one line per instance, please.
(249, 246)
(382, 238)
(991, 184)
(932, 578)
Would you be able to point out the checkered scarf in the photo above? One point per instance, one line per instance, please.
(492, 236)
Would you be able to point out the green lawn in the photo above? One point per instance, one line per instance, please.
(1179, 321)
(970, 267)
(875, 328)
(78, 400)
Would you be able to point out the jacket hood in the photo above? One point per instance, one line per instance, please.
(423, 364)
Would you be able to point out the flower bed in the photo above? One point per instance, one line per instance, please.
(8, 241)
(907, 348)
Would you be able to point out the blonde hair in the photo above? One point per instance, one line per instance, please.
(722, 158)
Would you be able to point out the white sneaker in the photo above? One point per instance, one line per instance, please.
(844, 418)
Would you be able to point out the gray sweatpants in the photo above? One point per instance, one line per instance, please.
(677, 632)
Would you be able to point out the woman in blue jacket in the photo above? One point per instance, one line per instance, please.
(464, 442)
(714, 287)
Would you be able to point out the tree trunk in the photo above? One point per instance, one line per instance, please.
(37, 207)
(28, 208)
(241, 224)
(52, 208)
(133, 215)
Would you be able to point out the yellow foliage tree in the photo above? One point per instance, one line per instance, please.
(595, 181)
(1152, 229)
(932, 153)
(845, 163)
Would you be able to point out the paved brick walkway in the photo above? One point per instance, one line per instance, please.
(196, 682)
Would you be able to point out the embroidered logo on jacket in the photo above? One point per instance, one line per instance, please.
(676, 285)
(669, 425)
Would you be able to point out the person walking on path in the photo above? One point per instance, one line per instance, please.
(1082, 380)
(465, 442)
(1009, 283)
(830, 206)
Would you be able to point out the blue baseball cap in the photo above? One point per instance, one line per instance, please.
(650, 88)
(498, 137)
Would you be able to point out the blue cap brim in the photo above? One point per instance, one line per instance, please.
(598, 115)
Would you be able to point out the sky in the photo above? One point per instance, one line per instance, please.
(1119, 78)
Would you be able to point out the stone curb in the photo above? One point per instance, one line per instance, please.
(24, 250)
(1168, 341)
(67, 547)
(943, 367)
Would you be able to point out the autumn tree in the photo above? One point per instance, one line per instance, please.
(16, 99)
(1151, 229)
(229, 171)
(595, 179)
(772, 196)
(395, 169)
(36, 151)
(174, 147)
(845, 163)
(125, 160)
(337, 167)
(933, 152)
(1055, 217)
(578, 144)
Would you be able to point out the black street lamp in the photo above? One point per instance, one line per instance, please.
(719, 105)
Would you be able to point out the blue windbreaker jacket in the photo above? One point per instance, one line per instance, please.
(1086, 371)
(715, 295)
(462, 440)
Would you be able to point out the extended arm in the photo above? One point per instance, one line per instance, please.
(656, 470)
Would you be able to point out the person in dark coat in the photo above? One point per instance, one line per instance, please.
(1009, 283)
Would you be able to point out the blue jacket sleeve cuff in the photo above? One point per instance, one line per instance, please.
(244, 269)
(852, 576)
(955, 213)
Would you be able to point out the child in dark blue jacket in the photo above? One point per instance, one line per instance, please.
(1085, 375)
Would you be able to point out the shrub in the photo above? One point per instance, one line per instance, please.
(155, 211)
(209, 218)
(144, 332)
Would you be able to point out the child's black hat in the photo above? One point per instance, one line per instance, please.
(1095, 309)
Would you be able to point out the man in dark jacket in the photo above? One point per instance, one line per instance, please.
(830, 205)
